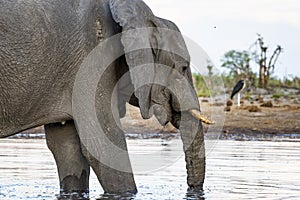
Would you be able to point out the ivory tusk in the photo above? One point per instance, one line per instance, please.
(196, 114)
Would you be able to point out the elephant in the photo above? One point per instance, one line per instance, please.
(42, 46)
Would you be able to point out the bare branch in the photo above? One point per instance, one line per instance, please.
(274, 58)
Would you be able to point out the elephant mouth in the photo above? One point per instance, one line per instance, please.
(169, 110)
(166, 114)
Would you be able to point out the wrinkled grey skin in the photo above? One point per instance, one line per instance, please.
(42, 44)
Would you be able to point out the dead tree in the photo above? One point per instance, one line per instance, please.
(266, 68)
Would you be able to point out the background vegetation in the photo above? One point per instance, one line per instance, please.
(239, 65)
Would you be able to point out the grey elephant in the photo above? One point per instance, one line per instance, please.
(42, 46)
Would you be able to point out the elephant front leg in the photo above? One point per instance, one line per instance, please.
(118, 181)
(106, 152)
(73, 168)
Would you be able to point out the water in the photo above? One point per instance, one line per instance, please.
(235, 170)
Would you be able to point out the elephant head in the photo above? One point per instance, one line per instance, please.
(159, 67)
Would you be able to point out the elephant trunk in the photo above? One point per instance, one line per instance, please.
(194, 149)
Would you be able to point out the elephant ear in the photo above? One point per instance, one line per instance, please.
(134, 16)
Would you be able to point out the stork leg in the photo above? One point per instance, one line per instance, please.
(239, 99)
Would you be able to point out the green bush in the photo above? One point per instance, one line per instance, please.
(277, 96)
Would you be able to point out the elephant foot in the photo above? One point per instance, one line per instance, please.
(117, 183)
(127, 195)
(70, 182)
(197, 189)
(195, 193)
(73, 195)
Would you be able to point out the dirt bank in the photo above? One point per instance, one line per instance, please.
(283, 117)
(280, 119)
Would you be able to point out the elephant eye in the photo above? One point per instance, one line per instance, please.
(184, 69)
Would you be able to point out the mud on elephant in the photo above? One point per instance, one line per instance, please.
(42, 46)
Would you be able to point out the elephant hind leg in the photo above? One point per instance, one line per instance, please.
(73, 168)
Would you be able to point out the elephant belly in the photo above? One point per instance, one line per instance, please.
(41, 47)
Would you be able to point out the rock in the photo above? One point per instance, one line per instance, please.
(229, 103)
(253, 108)
(227, 109)
(267, 104)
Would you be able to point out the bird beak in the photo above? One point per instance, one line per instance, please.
(196, 114)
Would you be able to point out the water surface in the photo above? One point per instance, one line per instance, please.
(235, 170)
